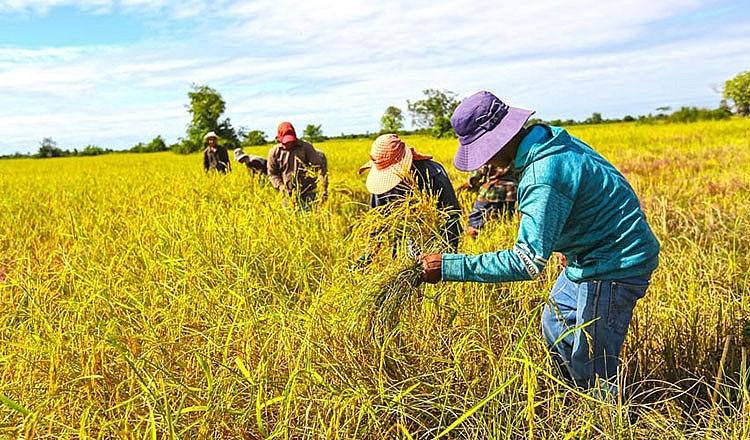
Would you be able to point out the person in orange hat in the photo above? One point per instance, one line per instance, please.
(293, 166)
(391, 160)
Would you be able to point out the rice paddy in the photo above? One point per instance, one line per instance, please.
(140, 298)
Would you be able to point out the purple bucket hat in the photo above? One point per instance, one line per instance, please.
(484, 125)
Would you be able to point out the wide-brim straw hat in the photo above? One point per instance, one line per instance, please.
(484, 125)
(390, 161)
(210, 134)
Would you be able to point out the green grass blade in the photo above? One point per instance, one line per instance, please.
(476, 407)
(13, 405)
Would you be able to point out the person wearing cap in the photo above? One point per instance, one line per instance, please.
(255, 164)
(215, 156)
(391, 160)
(496, 195)
(571, 201)
(293, 165)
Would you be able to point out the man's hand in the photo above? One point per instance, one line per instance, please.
(561, 260)
(432, 268)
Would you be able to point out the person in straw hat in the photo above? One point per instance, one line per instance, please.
(391, 160)
(255, 164)
(293, 166)
(215, 156)
(571, 201)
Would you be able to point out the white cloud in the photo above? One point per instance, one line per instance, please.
(340, 64)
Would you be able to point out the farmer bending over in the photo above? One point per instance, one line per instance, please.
(293, 166)
(255, 164)
(496, 195)
(574, 202)
(391, 160)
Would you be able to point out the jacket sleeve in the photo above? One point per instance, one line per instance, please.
(274, 170)
(323, 172)
(448, 202)
(544, 213)
(225, 158)
(205, 160)
(312, 156)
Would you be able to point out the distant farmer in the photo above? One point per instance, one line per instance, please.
(391, 160)
(293, 166)
(255, 164)
(496, 195)
(215, 156)
(574, 202)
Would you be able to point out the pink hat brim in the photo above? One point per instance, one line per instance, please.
(381, 181)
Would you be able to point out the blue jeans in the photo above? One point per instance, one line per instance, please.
(584, 326)
(481, 211)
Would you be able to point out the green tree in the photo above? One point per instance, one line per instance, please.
(596, 118)
(48, 148)
(156, 144)
(392, 120)
(437, 104)
(738, 90)
(206, 107)
(92, 150)
(253, 137)
(443, 127)
(313, 133)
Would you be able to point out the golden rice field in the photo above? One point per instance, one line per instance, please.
(140, 298)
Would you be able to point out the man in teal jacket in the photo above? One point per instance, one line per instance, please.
(574, 202)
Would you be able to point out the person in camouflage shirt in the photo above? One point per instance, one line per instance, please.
(496, 195)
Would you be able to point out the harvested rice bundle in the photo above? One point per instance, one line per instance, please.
(403, 227)
(391, 291)
(390, 296)
(393, 236)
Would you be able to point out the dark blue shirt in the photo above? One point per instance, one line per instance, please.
(430, 176)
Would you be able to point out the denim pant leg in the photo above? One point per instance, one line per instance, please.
(558, 317)
(603, 311)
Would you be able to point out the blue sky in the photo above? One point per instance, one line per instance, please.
(115, 73)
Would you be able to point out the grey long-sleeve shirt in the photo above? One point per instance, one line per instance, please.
(294, 167)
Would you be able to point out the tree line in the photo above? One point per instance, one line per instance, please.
(430, 115)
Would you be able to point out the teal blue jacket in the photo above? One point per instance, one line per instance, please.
(574, 202)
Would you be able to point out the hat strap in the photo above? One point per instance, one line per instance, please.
(494, 115)
(487, 121)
